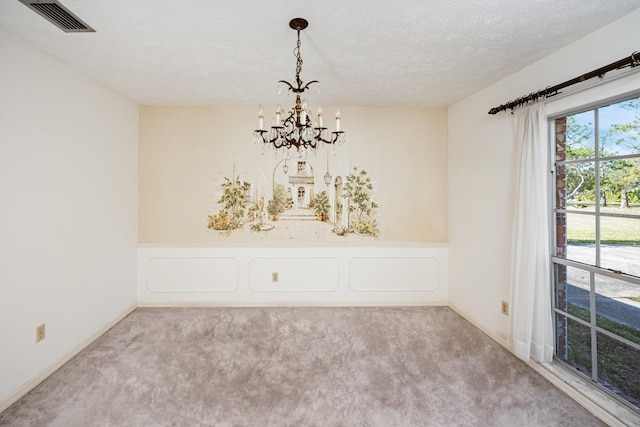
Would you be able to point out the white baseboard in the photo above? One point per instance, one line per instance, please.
(488, 333)
(593, 400)
(33, 382)
(393, 303)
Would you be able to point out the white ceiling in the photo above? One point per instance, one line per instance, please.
(364, 52)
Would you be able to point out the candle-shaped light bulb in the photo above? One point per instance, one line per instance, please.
(260, 117)
(319, 116)
(278, 115)
(338, 120)
(303, 113)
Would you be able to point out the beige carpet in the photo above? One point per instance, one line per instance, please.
(421, 366)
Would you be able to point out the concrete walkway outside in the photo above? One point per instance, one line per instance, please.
(613, 297)
(620, 310)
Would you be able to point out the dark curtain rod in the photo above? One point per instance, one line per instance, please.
(630, 61)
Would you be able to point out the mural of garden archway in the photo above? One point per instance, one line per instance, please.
(299, 175)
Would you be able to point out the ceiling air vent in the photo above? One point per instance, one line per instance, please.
(54, 12)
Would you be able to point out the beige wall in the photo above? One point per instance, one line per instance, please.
(68, 214)
(481, 172)
(185, 153)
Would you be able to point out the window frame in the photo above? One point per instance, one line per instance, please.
(592, 270)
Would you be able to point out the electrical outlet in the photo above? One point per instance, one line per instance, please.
(505, 308)
(40, 334)
(274, 276)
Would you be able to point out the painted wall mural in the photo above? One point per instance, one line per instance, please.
(203, 182)
(296, 205)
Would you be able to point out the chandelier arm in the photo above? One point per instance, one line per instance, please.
(269, 140)
(326, 141)
(318, 135)
(310, 83)
(287, 132)
(334, 136)
(291, 88)
(262, 135)
(290, 120)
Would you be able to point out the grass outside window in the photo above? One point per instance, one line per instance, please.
(614, 230)
(618, 364)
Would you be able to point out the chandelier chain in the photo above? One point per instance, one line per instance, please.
(298, 56)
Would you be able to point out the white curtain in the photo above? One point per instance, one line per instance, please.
(531, 327)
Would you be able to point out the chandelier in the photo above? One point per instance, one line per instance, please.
(297, 128)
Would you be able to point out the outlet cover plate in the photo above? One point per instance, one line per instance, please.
(40, 333)
(505, 308)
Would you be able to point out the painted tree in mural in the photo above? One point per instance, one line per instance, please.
(280, 197)
(357, 190)
(233, 205)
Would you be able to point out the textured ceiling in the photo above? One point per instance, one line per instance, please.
(364, 52)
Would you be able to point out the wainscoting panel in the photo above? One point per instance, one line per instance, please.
(197, 274)
(281, 276)
(309, 274)
(393, 274)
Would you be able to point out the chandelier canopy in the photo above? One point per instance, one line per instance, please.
(297, 129)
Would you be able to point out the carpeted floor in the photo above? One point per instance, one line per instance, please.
(418, 366)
